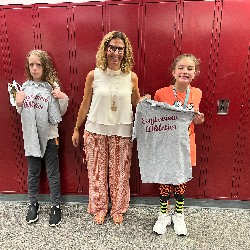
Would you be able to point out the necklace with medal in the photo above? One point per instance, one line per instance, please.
(186, 98)
(113, 91)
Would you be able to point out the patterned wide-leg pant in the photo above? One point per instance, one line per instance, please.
(108, 161)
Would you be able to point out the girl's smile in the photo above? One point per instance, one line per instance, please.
(184, 71)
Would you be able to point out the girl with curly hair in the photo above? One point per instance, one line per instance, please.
(110, 91)
(41, 104)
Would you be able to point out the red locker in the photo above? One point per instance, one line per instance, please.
(16, 40)
(125, 17)
(87, 32)
(224, 172)
(198, 18)
(217, 32)
(157, 47)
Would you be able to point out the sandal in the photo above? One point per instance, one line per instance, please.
(118, 218)
(99, 218)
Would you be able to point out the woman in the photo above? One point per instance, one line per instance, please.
(110, 91)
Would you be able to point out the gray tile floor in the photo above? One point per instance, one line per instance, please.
(211, 227)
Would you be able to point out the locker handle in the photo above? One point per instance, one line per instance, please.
(222, 106)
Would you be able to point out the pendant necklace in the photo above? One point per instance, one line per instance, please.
(113, 93)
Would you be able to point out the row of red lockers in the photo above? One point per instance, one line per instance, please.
(218, 32)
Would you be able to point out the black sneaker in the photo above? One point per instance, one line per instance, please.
(55, 216)
(32, 215)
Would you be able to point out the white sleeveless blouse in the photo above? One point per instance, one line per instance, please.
(101, 119)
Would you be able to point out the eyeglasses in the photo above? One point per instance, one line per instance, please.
(113, 48)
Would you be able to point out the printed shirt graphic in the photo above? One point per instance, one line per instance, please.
(39, 109)
(163, 142)
(166, 95)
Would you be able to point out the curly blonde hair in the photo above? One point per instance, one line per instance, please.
(127, 62)
(49, 72)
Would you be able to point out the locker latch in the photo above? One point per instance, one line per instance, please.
(223, 105)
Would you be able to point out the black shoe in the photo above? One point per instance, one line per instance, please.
(32, 215)
(55, 216)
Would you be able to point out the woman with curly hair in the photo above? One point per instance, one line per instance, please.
(110, 91)
(41, 104)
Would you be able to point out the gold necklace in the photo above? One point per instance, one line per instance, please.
(113, 93)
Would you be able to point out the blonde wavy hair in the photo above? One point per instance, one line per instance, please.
(49, 72)
(127, 62)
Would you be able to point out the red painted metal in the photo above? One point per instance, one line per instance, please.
(9, 174)
(14, 48)
(224, 172)
(215, 31)
(198, 18)
(115, 16)
(87, 33)
(157, 47)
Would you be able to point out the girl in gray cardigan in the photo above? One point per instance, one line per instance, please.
(41, 104)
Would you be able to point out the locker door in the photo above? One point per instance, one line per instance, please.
(20, 39)
(77, 29)
(52, 36)
(9, 175)
(198, 18)
(157, 56)
(16, 40)
(88, 34)
(228, 172)
(125, 17)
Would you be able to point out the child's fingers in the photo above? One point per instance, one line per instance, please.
(75, 140)
(198, 117)
(58, 94)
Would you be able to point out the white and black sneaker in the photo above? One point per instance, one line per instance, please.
(32, 215)
(55, 216)
(180, 227)
(162, 222)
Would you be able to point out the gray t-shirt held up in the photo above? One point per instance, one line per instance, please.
(39, 109)
(163, 143)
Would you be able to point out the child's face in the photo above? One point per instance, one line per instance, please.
(184, 71)
(36, 69)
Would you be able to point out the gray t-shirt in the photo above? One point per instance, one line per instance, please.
(39, 109)
(163, 143)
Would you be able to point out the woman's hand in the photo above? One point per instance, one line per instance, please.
(20, 96)
(75, 137)
(145, 96)
(198, 118)
(58, 94)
